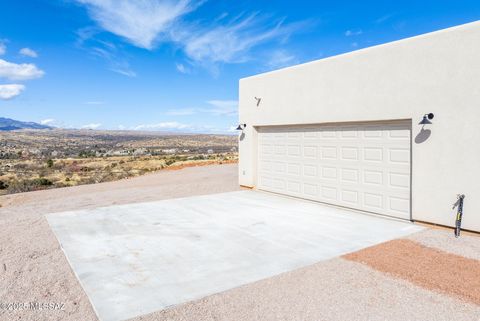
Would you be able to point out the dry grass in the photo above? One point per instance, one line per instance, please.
(39, 159)
(37, 174)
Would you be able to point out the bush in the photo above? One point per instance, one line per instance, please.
(50, 163)
(87, 154)
(28, 185)
(3, 185)
(42, 181)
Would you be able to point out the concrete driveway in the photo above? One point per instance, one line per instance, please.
(139, 258)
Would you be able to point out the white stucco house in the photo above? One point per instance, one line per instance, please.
(345, 130)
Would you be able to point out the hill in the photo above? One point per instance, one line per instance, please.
(7, 124)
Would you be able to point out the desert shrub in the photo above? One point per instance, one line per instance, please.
(42, 181)
(87, 154)
(3, 185)
(21, 166)
(28, 185)
(50, 163)
(169, 162)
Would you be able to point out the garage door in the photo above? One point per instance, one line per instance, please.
(365, 167)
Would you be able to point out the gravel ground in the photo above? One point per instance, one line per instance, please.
(442, 239)
(34, 269)
(332, 290)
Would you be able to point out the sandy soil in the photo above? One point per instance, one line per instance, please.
(34, 269)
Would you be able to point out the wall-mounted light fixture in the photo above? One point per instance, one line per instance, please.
(241, 127)
(426, 119)
(258, 99)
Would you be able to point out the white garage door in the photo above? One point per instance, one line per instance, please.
(366, 167)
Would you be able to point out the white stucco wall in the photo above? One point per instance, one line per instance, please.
(437, 72)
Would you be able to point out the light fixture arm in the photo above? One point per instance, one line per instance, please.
(426, 119)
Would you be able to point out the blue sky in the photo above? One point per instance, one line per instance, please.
(174, 65)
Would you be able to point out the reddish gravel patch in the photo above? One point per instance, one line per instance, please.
(424, 266)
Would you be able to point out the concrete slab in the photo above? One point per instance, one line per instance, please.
(138, 258)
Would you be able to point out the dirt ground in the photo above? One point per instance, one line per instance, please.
(386, 282)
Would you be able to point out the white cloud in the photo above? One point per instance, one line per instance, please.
(231, 43)
(48, 121)
(350, 33)
(28, 52)
(3, 48)
(281, 59)
(91, 126)
(223, 107)
(139, 21)
(15, 71)
(165, 125)
(145, 24)
(10, 91)
(181, 68)
(354, 44)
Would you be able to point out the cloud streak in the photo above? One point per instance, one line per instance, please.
(350, 33)
(27, 52)
(48, 121)
(148, 23)
(105, 50)
(10, 91)
(231, 43)
(216, 108)
(140, 22)
(222, 107)
(281, 59)
(182, 69)
(384, 18)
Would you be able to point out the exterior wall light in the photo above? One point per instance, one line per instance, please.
(426, 119)
(241, 127)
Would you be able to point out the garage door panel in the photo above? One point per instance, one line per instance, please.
(366, 167)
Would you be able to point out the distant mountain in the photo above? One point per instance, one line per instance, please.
(11, 124)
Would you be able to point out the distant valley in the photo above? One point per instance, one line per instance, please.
(38, 157)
